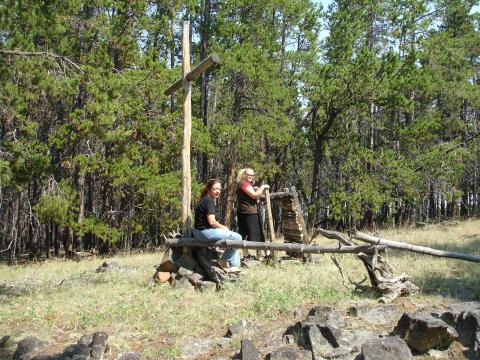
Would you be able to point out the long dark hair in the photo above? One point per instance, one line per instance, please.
(208, 186)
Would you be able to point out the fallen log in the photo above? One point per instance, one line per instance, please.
(379, 271)
(289, 247)
(413, 248)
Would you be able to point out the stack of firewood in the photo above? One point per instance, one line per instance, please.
(291, 226)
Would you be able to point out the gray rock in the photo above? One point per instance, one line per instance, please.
(276, 338)
(130, 355)
(77, 350)
(423, 332)
(356, 338)
(325, 316)
(85, 340)
(223, 342)
(468, 328)
(241, 329)
(194, 348)
(376, 314)
(248, 350)
(184, 283)
(288, 353)
(389, 348)
(6, 342)
(207, 286)
(27, 347)
(113, 266)
(324, 342)
(184, 272)
(99, 344)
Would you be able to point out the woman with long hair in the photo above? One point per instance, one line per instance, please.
(207, 226)
(247, 213)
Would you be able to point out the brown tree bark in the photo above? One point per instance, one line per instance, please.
(14, 228)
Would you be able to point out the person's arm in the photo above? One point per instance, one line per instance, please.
(255, 193)
(214, 223)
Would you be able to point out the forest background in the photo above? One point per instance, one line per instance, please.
(371, 109)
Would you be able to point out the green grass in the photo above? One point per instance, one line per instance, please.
(62, 300)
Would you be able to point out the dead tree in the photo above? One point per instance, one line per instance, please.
(379, 271)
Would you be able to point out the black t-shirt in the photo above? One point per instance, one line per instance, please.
(205, 206)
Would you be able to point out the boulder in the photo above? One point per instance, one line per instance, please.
(195, 348)
(98, 345)
(241, 329)
(113, 266)
(468, 328)
(376, 314)
(288, 353)
(27, 347)
(465, 317)
(130, 355)
(423, 332)
(389, 348)
(322, 341)
(248, 350)
(356, 338)
(325, 315)
(207, 286)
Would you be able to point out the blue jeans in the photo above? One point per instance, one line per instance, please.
(207, 235)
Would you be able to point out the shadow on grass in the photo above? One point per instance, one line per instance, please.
(463, 288)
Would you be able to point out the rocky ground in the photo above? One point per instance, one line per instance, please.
(403, 330)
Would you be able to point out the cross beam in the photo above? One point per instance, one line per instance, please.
(194, 74)
(185, 82)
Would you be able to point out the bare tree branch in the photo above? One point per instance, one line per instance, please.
(45, 54)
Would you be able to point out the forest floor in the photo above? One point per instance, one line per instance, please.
(61, 300)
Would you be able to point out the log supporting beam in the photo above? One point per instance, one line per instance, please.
(289, 247)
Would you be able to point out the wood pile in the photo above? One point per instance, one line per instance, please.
(293, 225)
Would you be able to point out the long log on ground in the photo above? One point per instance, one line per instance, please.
(300, 248)
(344, 239)
(413, 248)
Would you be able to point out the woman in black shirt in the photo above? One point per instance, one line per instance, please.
(207, 226)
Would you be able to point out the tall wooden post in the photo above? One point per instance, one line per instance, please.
(186, 83)
(271, 229)
(187, 134)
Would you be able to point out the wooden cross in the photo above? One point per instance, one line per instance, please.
(188, 77)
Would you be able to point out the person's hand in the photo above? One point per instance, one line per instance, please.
(266, 187)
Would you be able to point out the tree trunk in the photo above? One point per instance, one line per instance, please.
(68, 245)
(14, 229)
(314, 197)
(81, 210)
(229, 192)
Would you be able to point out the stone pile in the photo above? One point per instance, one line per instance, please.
(447, 334)
(88, 347)
(202, 269)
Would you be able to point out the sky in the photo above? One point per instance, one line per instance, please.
(325, 4)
